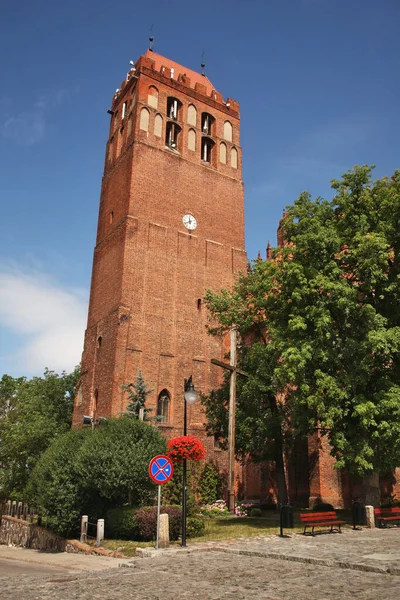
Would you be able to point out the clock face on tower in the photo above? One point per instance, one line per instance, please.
(189, 222)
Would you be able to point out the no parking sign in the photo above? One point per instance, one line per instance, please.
(161, 469)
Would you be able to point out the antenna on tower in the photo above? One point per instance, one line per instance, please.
(151, 39)
(203, 64)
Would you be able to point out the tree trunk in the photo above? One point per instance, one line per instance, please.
(370, 489)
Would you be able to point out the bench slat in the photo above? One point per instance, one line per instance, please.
(387, 511)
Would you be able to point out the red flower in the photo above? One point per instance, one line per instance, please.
(185, 447)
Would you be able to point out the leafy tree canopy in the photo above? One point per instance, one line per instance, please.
(32, 413)
(324, 319)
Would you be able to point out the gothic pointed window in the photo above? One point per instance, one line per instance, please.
(234, 158)
(192, 115)
(158, 122)
(228, 131)
(222, 153)
(163, 402)
(152, 97)
(144, 119)
(192, 139)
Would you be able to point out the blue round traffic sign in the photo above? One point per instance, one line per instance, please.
(161, 469)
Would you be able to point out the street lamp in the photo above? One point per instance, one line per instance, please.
(190, 396)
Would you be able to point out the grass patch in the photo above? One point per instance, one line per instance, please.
(228, 527)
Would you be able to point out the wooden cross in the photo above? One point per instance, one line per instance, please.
(233, 368)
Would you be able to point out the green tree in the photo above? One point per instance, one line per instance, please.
(32, 413)
(325, 313)
(137, 395)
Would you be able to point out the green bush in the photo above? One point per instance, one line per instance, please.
(85, 471)
(146, 518)
(323, 507)
(210, 484)
(255, 512)
(171, 492)
(121, 524)
(195, 526)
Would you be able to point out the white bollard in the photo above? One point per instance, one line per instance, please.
(84, 528)
(369, 512)
(100, 532)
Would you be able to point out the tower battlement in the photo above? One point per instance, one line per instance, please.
(177, 77)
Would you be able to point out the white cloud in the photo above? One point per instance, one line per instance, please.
(27, 128)
(47, 320)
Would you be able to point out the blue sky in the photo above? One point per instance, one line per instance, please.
(319, 90)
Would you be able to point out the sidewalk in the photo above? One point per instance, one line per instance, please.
(63, 560)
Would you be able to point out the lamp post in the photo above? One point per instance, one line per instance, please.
(190, 396)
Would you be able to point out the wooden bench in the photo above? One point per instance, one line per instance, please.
(321, 519)
(384, 515)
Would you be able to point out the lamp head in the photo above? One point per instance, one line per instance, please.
(190, 393)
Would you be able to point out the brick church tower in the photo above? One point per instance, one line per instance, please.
(170, 225)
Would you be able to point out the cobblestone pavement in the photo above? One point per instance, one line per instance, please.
(356, 566)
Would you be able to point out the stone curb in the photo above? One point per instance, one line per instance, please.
(322, 562)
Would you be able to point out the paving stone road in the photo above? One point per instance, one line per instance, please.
(362, 565)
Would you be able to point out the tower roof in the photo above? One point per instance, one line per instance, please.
(162, 61)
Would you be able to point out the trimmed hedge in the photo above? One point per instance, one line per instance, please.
(146, 519)
(323, 507)
(195, 526)
(121, 523)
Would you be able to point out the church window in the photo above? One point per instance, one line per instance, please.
(228, 131)
(99, 340)
(234, 158)
(163, 406)
(144, 119)
(206, 149)
(192, 115)
(198, 303)
(111, 216)
(207, 121)
(123, 111)
(172, 135)
(222, 153)
(192, 139)
(152, 98)
(158, 123)
(173, 108)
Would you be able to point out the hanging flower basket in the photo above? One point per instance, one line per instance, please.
(185, 447)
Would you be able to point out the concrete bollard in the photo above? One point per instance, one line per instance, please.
(8, 508)
(84, 528)
(100, 532)
(14, 508)
(19, 510)
(163, 535)
(370, 517)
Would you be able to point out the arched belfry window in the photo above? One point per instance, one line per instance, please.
(172, 133)
(152, 97)
(207, 123)
(173, 108)
(207, 146)
(228, 131)
(163, 402)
